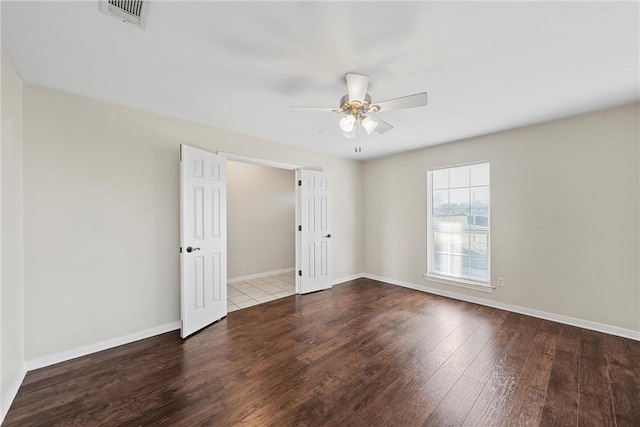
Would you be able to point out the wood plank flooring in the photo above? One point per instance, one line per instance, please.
(362, 354)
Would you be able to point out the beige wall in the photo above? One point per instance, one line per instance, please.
(11, 232)
(102, 217)
(564, 205)
(261, 212)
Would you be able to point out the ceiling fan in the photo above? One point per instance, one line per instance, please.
(357, 108)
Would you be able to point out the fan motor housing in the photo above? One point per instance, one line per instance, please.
(355, 105)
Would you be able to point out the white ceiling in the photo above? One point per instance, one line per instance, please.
(239, 65)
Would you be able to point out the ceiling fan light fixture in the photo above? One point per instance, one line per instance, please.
(369, 124)
(347, 123)
(358, 108)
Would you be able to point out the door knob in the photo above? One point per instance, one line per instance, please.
(190, 249)
(328, 236)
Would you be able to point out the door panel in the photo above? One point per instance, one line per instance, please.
(314, 200)
(203, 225)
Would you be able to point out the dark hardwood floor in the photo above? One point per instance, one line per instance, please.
(363, 354)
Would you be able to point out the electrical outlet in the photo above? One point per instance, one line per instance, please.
(386, 264)
(500, 282)
(238, 263)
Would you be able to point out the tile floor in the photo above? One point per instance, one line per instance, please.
(256, 291)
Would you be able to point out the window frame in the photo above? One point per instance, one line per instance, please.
(447, 279)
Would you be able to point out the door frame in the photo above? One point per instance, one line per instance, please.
(279, 165)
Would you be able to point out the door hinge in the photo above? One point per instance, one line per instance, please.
(299, 272)
(299, 228)
(299, 183)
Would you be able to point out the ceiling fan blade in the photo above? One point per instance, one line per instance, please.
(315, 109)
(357, 85)
(382, 125)
(415, 100)
(333, 128)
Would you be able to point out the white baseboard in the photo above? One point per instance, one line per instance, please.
(346, 279)
(586, 324)
(7, 398)
(52, 359)
(44, 361)
(259, 275)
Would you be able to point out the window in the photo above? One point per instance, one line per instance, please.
(458, 223)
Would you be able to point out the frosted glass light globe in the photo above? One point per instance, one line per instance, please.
(347, 123)
(369, 125)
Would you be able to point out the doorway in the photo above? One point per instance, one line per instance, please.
(203, 235)
(261, 217)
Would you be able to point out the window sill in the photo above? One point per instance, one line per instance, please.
(460, 284)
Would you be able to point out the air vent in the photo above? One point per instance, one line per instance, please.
(133, 12)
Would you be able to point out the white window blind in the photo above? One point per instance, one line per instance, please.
(459, 223)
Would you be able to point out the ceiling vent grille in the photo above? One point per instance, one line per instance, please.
(133, 12)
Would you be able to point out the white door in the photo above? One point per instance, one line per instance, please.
(314, 231)
(203, 238)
